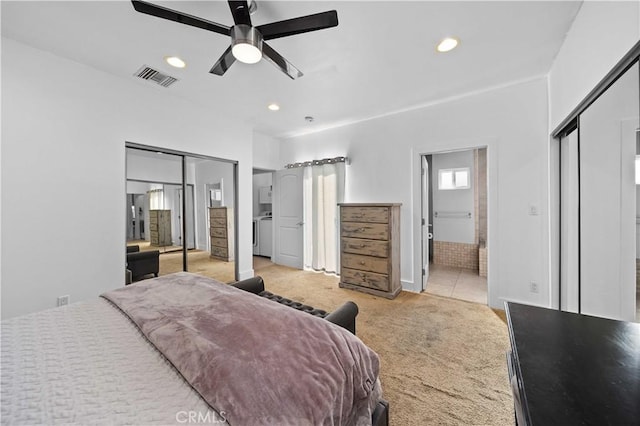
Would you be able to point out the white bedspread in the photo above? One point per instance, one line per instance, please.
(85, 364)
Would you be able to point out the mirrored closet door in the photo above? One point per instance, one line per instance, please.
(608, 200)
(598, 202)
(181, 211)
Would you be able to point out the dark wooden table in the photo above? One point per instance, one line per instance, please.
(573, 369)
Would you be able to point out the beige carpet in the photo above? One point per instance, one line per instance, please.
(198, 262)
(442, 360)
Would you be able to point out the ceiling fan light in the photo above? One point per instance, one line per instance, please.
(246, 44)
(247, 53)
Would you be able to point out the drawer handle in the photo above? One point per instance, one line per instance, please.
(361, 229)
(362, 262)
(363, 245)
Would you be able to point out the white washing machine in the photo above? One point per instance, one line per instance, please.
(265, 236)
(262, 235)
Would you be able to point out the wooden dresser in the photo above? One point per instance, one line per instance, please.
(370, 248)
(160, 227)
(221, 233)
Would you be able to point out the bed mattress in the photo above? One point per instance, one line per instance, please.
(87, 363)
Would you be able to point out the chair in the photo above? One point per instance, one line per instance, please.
(142, 263)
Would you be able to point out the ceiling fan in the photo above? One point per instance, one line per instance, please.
(247, 42)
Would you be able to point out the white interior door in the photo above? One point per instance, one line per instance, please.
(426, 234)
(191, 223)
(288, 213)
(190, 241)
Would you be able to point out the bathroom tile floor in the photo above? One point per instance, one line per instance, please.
(457, 283)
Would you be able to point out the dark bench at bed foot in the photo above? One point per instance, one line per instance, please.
(380, 416)
(344, 316)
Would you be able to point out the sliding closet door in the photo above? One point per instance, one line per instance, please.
(608, 200)
(569, 224)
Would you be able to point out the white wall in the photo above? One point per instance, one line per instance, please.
(453, 229)
(385, 167)
(601, 34)
(68, 132)
(266, 152)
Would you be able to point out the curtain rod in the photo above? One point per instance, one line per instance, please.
(318, 162)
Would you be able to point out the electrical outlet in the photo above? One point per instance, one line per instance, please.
(63, 300)
(533, 210)
(533, 286)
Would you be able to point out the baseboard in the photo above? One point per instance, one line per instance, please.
(410, 286)
(243, 275)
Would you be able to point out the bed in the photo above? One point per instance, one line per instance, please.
(185, 349)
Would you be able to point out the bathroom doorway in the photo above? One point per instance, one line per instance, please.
(454, 218)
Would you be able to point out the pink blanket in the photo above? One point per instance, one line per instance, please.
(254, 361)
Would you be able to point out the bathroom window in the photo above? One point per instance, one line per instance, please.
(453, 179)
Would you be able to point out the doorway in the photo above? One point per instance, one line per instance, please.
(454, 224)
(262, 221)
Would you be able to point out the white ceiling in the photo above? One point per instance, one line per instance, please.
(381, 58)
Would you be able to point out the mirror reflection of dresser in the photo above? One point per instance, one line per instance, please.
(160, 227)
(221, 233)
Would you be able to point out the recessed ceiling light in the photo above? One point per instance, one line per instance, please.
(273, 107)
(174, 61)
(447, 44)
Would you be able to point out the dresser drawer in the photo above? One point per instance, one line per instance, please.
(365, 279)
(219, 252)
(365, 263)
(219, 242)
(364, 214)
(371, 231)
(218, 232)
(218, 213)
(367, 247)
(217, 222)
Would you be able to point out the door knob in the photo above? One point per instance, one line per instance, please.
(300, 223)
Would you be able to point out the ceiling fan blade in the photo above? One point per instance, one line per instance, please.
(303, 24)
(226, 60)
(183, 18)
(240, 12)
(276, 59)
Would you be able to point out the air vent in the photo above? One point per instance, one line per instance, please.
(147, 73)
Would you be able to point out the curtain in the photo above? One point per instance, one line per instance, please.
(323, 190)
(156, 199)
